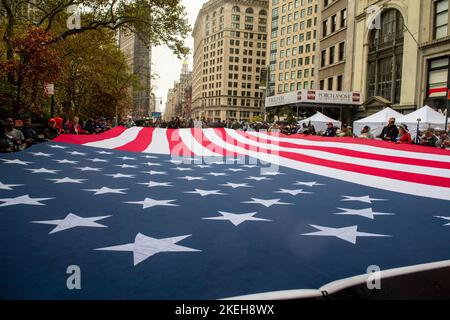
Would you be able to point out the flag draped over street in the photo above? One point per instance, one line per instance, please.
(214, 213)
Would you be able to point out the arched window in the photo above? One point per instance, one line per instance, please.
(221, 10)
(263, 13)
(214, 14)
(249, 11)
(236, 9)
(207, 17)
(385, 61)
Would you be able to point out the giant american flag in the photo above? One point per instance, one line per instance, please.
(150, 213)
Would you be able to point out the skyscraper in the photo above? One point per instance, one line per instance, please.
(292, 45)
(138, 57)
(230, 43)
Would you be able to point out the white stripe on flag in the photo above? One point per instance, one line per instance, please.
(159, 144)
(124, 138)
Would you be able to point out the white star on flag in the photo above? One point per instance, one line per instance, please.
(293, 192)
(205, 193)
(153, 184)
(217, 174)
(444, 218)
(308, 184)
(66, 161)
(148, 203)
(97, 160)
(272, 173)
(250, 166)
(237, 219)
(189, 178)
(23, 200)
(203, 166)
(41, 154)
(182, 169)
(43, 170)
(89, 169)
(126, 158)
(257, 178)
(76, 153)
(125, 166)
(152, 164)
(175, 161)
(144, 247)
(120, 175)
(236, 185)
(267, 203)
(55, 146)
(150, 157)
(366, 213)
(104, 152)
(153, 173)
(235, 170)
(365, 199)
(67, 180)
(105, 190)
(73, 221)
(15, 161)
(9, 186)
(349, 234)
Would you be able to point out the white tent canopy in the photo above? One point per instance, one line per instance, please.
(376, 122)
(429, 119)
(320, 121)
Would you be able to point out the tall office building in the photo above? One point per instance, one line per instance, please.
(139, 57)
(292, 45)
(334, 51)
(176, 96)
(230, 43)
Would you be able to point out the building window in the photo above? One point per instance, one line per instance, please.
(343, 18)
(322, 85)
(333, 23)
(385, 61)
(437, 77)
(330, 83)
(441, 19)
(339, 83)
(324, 28)
(332, 50)
(323, 59)
(341, 51)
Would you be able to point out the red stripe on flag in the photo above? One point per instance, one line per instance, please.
(142, 141)
(83, 139)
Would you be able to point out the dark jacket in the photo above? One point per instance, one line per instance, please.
(389, 132)
(330, 132)
(51, 133)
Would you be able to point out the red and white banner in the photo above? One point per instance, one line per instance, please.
(408, 169)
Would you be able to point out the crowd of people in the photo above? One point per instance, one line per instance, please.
(17, 135)
(17, 138)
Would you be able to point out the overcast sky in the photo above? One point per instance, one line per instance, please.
(165, 64)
